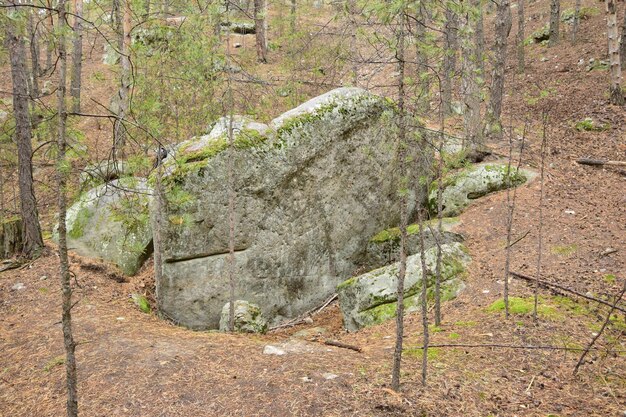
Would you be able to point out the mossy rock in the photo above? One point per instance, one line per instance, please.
(248, 318)
(111, 222)
(461, 187)
(371, 298)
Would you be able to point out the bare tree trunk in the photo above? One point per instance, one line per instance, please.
(622, 44)
(520, 36)
(555, 17)
(470, 85)
(34, 54)
(544, 142)
(615, 90)
(119, 130)
(31, 232)
(293, 16)
(49, 43)
(260, 25)
(480, 37)
(576, 21)
(157, 232)
(68, 339)
(449, 58)
(503, 28)
(77, 56)
(424, 299)
(404, 204)
(421, 60)
(352, 16)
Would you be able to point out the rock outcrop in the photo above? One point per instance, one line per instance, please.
(461, 187)
(111, 222)
(247, 319)
(311, 189)
(370, 298)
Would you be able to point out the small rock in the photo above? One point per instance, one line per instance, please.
(19, 286)
(570, 212)
(308, 320)
(485, 291)
(544, 59)
(237, 45)
(120, 319)
(273, 350)
(306, 379)
(329, 376)
(43, 278)
(248, 318)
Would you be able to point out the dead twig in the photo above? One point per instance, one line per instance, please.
(302, 318)
(518, 239)
(600, 162)
(597, 336)
(548, 285)
(342, 345)
(502, 346)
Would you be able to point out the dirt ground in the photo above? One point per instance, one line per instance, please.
(134, 364)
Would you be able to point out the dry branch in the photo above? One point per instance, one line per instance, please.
(342, 345)
(551, 285)
(600, 162)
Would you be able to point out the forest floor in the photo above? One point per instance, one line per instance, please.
(134, 364)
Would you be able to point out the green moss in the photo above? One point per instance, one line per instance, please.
(564, 250)
(466, 323)
(393, 234)
(142, 303)
(53, 363)
(347, 283)
(609, 278)
(523, 306)
(432, 354)
(588, 125)
(454, 336)
(78, 226)
(383, 312)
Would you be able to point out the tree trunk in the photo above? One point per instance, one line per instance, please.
(259, 26)
(404, 206)
(555, 17)
(503, 28)
(449, 58)
(66, 320)
(520, 36)
(421, 60)
(119, 130)
(470, 85)
(615, 90)
(424, 300)
(32, 240)
(49, 43)
(34, 54)
(77, 56)
(480, 37)
(622, 46)
(10, 238)
(293, 17)
(576, 21)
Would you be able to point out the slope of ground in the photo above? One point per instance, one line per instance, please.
(133, 364)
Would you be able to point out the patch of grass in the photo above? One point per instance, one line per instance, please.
(59, 360)
(142, 302)
(564, 250)
(454, 336)
(433, 353)
(609, 278)
(522, 306)
(588, 125)
(466, 323)
(434, 329)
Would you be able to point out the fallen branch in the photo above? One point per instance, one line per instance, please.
(547, 284)
(302, 318)
(527, 347)
(600, 162)
(342, 345)
(597, 336)
(518, 239)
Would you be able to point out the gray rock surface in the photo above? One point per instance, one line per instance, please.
(312, 189)
(461, 187)
(112, 222)
(370, 298)
(248, 318)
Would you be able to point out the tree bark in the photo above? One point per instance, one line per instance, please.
(34, 54)
(259, 26)
(471, 75)
(404, 204)
(77, 56)
(119, 130)
(520, 36)
(480, 37)
(66, 320)
(615, 89)
(293, 16)
(31, 233)
(555, 17)
(622, 45)
(10, 238)
(503, 28)
(576, 21)
(449, 58)
(421, 60)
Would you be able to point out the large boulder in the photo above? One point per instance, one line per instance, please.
(111, 222)
(461, 187)
(311, 189)
(371, 298)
